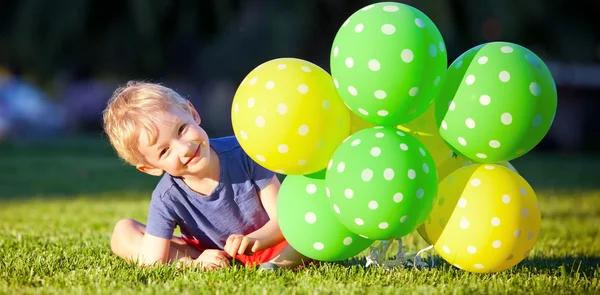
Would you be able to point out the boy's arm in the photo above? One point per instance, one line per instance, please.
(153, 250)
(269, 234)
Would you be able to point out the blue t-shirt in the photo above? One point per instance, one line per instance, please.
(232, 208)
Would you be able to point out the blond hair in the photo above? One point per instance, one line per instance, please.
(131, 110)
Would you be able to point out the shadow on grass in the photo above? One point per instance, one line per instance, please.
(587, 266)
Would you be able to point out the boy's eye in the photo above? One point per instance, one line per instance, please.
(163, 151)
(181, 129)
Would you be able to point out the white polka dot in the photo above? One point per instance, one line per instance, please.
(419, 22)
(383, 225)
(413, 91)
(475, 182)
(388, 29)
(532, 60)
(407, 55)
(363, 111)
(523, 191)
(432, 50)
(452, 106)
(506, 49)
(462, 141)
(236, 107)
(251, 102)
(530, 235)
(525, 212)
(270, 85)
(489, 167)
(442, 46)
(506, 118)
(306, 69)
(470, 79)
(390, 8)
(374, 65)
(462, 203)
(535, 89)
(347, 241)
(359, 28)
(283, 148)
(335, 82)
(326, 104)
(310, 217)
(341, 166)
(359, 221)
(398, 197)
(380, 94)
(336, 208)
(253, 81)
(426, 168)
(494, 144)
(302, 88)
(282, 108)
(302, 162)
(412, 174)
(482, 60)
(261, 158)
(388, 174)
(495, 221)
(382, 113)
(260, 122)
(243, 134)
(481, 155)
(436, 81)
(464, 224)
(375, 152)
(470, 123)
(352, 90)
(349, 62)
(504, 76)
(479, 266)
(355, 142)
(366, 175)
(400, 133)
(472, 249)
(506, 199)
(282, 66)
(335, 51)
(373, 205)
(403, 219)
(458, 64)
(537, 121)
(444, 125)
(318, 246)
(346, 22)
(446, 249)
(311, 189)
(348, 193)
(422, 151)
(329, 165)
(517, 233)
(404, 147)
(303, 130)
(420, 193)
(496, 244)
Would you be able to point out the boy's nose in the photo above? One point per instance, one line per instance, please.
(185, 148)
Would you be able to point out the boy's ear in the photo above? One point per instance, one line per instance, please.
(149, 169)
(194, 113)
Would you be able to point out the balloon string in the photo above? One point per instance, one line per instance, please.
(418, 257)
(377, 256)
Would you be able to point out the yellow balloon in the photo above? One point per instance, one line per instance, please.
(288, 116)
(486, 218)
(357, 123)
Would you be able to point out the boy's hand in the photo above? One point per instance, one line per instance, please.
(240, 244)
(211, 259)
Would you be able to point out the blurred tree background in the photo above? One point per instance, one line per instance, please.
(77, 52)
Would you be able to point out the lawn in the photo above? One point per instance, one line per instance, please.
(59, 201)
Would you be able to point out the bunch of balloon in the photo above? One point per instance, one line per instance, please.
(497, 102)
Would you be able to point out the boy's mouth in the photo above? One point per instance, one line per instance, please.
(193, 156)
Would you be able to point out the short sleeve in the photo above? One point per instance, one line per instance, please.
(161, 223)
(260, 175)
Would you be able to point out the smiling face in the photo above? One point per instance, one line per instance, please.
(181, 147)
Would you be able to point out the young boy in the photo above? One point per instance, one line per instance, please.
(223, 202)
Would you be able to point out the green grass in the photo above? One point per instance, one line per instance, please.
(60, 200)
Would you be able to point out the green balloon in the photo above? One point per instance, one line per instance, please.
(498, 101)
(308, 221)
(387, 61)
(382, 183)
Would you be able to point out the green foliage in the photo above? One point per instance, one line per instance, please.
(54, 242)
